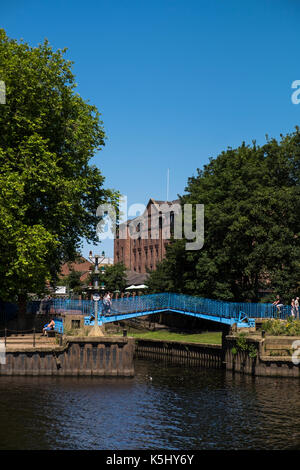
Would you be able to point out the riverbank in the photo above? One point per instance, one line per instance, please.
(75, 356)
(262, 355)
(180, 352)
(253, 353)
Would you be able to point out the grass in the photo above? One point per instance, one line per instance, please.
(214, 337)
(76, 332)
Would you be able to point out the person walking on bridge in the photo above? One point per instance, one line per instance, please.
(278, 303)
(297, 307)
(106, 304)
(293, 308)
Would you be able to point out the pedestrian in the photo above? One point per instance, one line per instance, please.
(109, 299)
(278, 303)
(106, 303)
(293, 308)
(297, 307)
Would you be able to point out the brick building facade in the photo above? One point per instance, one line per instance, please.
(84, 266)
(140, 243)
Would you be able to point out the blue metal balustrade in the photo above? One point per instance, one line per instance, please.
(84, 307)
(59, 325)
(241, 313)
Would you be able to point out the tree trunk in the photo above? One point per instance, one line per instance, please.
(22, 301)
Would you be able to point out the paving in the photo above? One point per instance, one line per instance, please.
(27, 341)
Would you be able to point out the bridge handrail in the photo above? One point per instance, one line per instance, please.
(174, 301)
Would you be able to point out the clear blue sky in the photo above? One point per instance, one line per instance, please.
(176, 81)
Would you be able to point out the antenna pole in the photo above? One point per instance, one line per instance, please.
(168, 182)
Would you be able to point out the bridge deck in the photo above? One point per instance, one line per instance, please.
(242, 313)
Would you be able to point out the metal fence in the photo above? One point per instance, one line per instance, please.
(186, 303)
(70, 306)
(8, 311)
(150, 303)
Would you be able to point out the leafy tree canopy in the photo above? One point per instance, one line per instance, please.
(252, 226)
(114, 277)
(73, 279)
(49, 192)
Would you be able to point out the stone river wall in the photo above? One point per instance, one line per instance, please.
(78, 356)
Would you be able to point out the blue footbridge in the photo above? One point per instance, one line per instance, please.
(243, 314)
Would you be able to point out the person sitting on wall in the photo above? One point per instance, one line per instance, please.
(49, 327)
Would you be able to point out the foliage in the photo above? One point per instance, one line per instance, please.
(242, 345)
(164, 278)
(114, 277)
(252, 226)
(278, 327)
(73, 282)
(49, 192)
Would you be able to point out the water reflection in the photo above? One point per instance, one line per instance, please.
(163, 406)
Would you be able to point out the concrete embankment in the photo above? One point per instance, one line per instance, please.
(114, 355)
(204, 355)
(105, 356)
(270, 356)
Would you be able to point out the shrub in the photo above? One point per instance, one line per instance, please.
(277, 327)
(243, 345)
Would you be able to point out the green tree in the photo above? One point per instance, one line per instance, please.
(73, 281)
(114, 277)
(252, 225)
(49, 191)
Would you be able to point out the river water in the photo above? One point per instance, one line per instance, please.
(163, 407)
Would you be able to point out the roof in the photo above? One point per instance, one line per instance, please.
(80, 265)
(170, 203)
(156, 203)
(136, 278)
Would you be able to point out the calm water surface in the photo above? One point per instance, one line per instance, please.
(162, 407)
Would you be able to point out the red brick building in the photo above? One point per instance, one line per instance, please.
(84, 266)
(140, 243)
